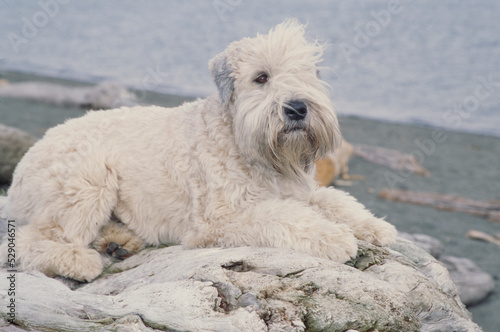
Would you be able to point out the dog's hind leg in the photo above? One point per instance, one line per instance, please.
(65, 218)
(56, 257)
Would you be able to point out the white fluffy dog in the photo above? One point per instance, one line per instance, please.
(233, 169)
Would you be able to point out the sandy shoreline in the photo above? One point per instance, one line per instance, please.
(462, 164)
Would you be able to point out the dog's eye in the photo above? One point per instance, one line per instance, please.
(262, 78)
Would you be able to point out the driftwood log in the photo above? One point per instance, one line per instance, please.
(390, 158)
(101, 96)
(489, 210)
(478, 235)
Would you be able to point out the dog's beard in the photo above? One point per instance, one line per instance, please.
(266, 136)
(291, 148)
(293, 151)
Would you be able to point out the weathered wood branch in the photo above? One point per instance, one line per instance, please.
(390, 158)
(478, 235)
(489, 210)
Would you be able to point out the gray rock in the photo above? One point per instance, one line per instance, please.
(473, 284)
(13, 145)
(248, 289)
(432, 245)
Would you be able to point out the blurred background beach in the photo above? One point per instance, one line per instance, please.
(398, 71)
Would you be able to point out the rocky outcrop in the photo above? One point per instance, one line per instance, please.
(248, 289)
(401, 288)
(13, 145)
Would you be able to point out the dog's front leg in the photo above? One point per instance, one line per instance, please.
(278, 223)
(340, 207)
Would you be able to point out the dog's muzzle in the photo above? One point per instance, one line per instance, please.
(295, 110)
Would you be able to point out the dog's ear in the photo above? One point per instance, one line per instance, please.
(221, 71)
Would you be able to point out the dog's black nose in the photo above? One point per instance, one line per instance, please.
(295, 110)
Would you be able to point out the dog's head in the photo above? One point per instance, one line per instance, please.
(281, 110)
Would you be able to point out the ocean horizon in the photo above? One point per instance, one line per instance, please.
(426, 62)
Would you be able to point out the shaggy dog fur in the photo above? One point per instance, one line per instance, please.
(233, 169)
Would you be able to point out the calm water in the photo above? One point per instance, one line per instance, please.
(425, 62)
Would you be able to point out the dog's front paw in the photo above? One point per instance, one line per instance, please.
(376, 231)
(343, 250)
(335, 242)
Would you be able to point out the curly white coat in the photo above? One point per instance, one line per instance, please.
(229, 170)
